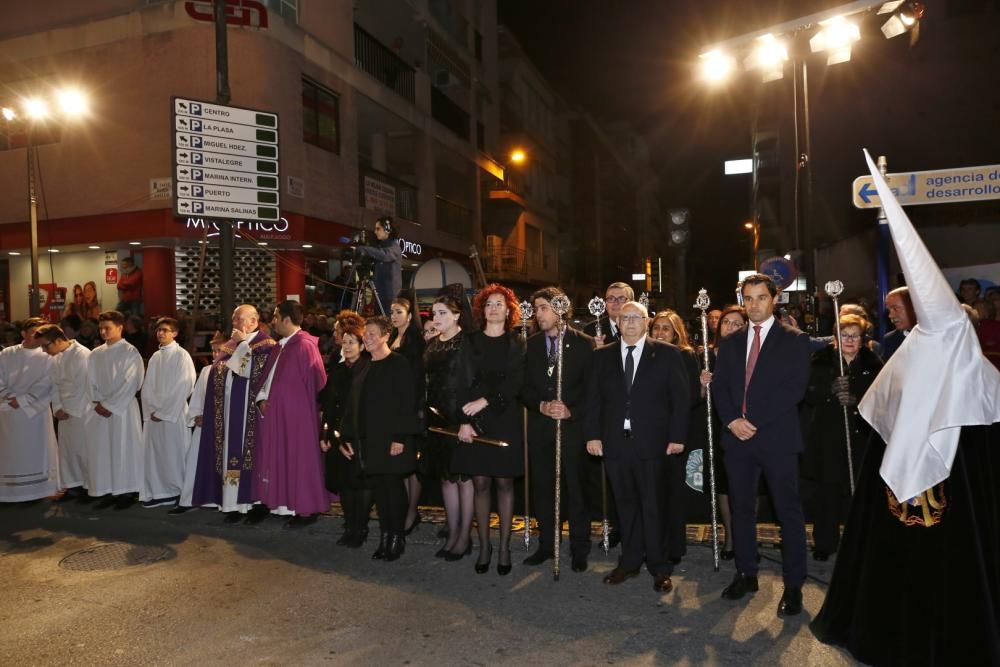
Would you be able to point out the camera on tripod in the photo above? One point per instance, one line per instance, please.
(362, 264)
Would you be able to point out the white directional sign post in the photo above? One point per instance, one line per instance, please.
(942, 186)
(225, 161)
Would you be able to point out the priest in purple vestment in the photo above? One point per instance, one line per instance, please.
(227, 456)
(288, 474)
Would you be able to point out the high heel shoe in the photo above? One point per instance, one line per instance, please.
(727, 554)
(504, 570)
(452, 556)
(383, 548)
(483, 568)
(416, 522)
(396, 547)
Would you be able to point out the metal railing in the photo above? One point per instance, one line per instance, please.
(378, 60)
(403, 194)
(454, 218)
(507, 259)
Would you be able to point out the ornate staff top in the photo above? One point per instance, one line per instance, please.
(644, 300)
(702, 302)
(834, 288)
(561, 304)
(527, 310)
(596, 306)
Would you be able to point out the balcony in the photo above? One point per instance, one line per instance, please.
(449, 114)
(381, 192)
(373, 57)
(454, 218)
(509, 261)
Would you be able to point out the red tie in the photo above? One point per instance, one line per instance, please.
(751, 362)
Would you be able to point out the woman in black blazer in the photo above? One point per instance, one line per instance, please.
(407, 339)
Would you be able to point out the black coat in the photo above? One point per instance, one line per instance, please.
(825, 457)
(380, 410)
(388, 275)
(578, 350)
(660, 401)
(591, 330)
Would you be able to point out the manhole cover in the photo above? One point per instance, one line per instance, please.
(114, 557)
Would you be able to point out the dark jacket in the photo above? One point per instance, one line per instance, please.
(659, 402)
(388, 277)
(578, 348)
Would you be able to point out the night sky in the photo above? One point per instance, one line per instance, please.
(633, 61)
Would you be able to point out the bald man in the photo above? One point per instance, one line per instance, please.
(230, 421)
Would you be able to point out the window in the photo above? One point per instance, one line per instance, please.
(289, 9)
(320, 117)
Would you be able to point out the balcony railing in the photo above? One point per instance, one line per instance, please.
(454, 218)
(381, 192)
(449, 114)
(506, 259)
(373, 57)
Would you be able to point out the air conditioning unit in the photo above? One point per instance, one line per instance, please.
(445, 78)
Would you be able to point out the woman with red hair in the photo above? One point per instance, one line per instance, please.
(492, 368)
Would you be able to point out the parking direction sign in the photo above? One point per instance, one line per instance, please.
(940, 186)
(225, 161)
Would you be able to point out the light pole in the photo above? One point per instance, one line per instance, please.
(755, 228)
(71, 104)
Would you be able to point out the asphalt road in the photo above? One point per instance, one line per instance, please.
(263, 595)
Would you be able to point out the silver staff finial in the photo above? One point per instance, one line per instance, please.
(561, 304)
(597, 306)
(702, 302)
(527, 310)
(834, 288)
(644, 300)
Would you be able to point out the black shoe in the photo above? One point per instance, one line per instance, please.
(740, 586)
(820, 555)
(453, 556)
(85, 499)
(233, 517)
(416, 522)
(346, 538)
(539, 557)
(67, 496)
(383, 547)
(105, 502)
(359, 539)
(180, 509)
(614, 538)
(124, 502)
(481, 567)
(257, 513)
(579, 562)
(502, 569)
(676, 560)
(395, 548)
(727, 554)
(441, 553)
(791, 601)
(297, 522)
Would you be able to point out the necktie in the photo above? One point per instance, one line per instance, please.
(553, 353)
(629, 369)
(751, 362)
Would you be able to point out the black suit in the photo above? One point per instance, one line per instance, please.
(658, 406)
(595, 472)
(777, 386)
(578, 348)
(611, 334)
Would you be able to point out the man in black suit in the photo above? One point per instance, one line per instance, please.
(901, 315)
(638, 404)
(760, 379)
(539, 395)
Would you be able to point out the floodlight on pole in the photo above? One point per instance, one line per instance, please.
(518, 156)
(768, 55)
(9, 114)
(716, 66)
(35, 108)
(72, 102)
(835, 37)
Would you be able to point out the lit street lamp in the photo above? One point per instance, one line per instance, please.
(755, 228)
(69, 104)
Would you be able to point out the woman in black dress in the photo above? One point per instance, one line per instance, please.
(492, 370)
(667, 326)
(733, 320)
(345, 477)
(824, 463)
(441, 370)
(378, 426)
(407, 339)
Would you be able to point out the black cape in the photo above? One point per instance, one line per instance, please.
(915, 595)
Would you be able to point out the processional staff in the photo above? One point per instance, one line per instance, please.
(527, 311)
(702, 303)
(597, 307)
(833, 289)
(561, 306)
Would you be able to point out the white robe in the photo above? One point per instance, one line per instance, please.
(169, 379)
(114, 464)
(72, 396)
(196, 408)
(29, 455)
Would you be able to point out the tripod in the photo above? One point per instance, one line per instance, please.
(363, 284)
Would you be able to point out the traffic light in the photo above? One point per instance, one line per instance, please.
(680, 229)
(654, 275)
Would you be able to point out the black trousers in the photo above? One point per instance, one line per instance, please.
(828, 505)
(639, 494)
(674, 510)
(390, 501)
(542, 462)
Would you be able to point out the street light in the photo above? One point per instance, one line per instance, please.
(755, 228)
(518, 156)
(72, 104)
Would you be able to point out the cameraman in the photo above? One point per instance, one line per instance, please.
(388, 257)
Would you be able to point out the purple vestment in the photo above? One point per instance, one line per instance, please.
(289, 468)
(224, 455)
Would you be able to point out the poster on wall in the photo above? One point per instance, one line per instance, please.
(51, 301)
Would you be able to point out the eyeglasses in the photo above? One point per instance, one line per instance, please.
(616, 299)
(632, 319)
(851, 336)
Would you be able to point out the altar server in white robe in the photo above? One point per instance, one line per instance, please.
(170, 377)
(114, 432)
(29, 455)
(71, 406)
(196, 410)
